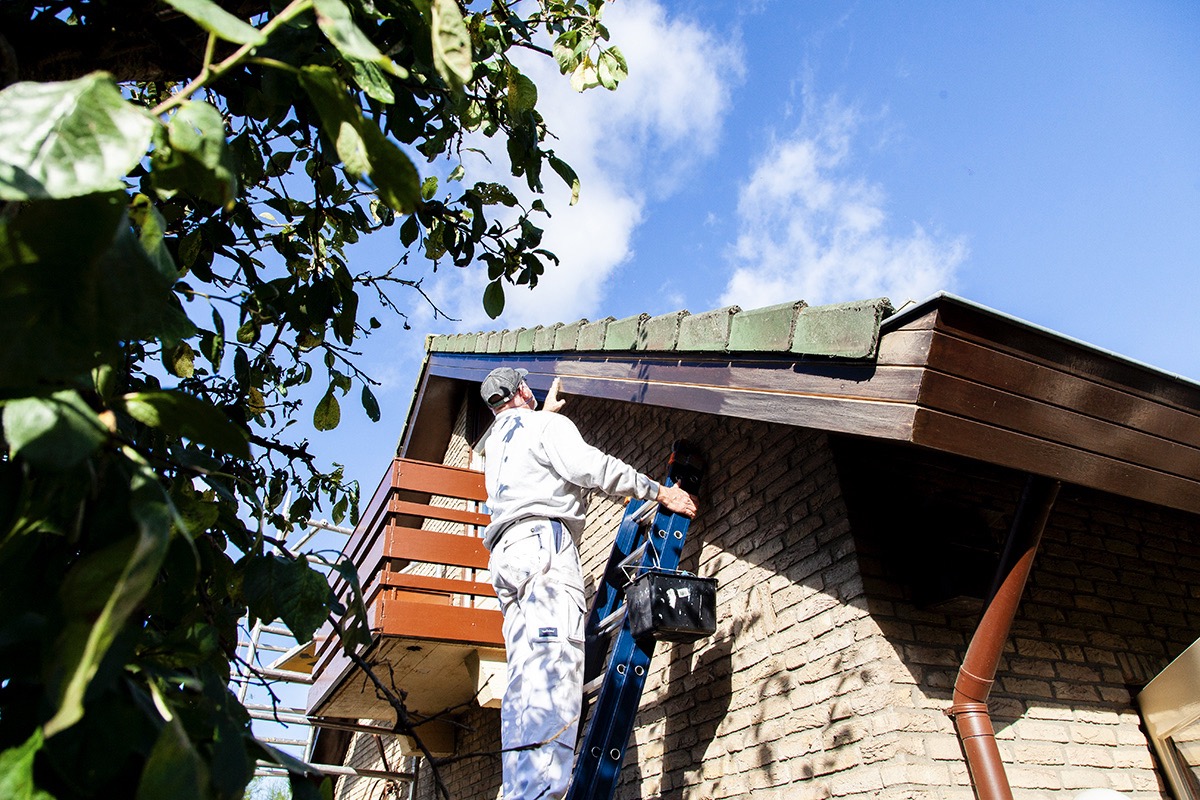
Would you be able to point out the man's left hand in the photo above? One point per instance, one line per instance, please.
(677, 500)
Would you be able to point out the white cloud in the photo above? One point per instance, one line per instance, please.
(811, 229)
(629, 146)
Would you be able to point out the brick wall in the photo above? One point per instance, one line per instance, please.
(825, 678)
(1111, 600)
(790, 690)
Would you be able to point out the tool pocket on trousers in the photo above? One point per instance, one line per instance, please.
(576, 634)
(556, 616)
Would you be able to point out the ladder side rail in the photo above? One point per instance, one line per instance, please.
(610, 593)
(598, 766)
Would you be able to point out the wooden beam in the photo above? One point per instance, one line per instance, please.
(428, 511)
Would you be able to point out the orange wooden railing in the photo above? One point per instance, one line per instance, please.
(394, 551)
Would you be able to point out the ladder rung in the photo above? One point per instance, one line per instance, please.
(646, 512)
(593, 686)
(635, 556)
(611, 622)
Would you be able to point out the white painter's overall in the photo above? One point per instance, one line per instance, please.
(537, 469)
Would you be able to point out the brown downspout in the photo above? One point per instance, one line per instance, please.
(969, 709)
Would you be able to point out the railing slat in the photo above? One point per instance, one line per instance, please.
(442, 513)
(414, 544)
(420, 476)
(479, 626)
(429, 583)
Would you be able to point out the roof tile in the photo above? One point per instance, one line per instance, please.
(708, 331)
(623, 334)
(543, 338)
(568, 335)
(846, 330)
(661, 333)
(591, 335)
(767, 329)
(525, 340)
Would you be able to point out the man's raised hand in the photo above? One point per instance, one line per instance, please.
(553, 403)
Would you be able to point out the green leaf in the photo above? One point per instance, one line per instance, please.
(612, 68)
(214, 19)
(451, 44)
(328, 413)
(57, 431)
(180, 360)
(354, 629)
(99, 593)
(68, 139)
(362, 147)
(584, 76)
(16, 770)
(75, 286)
(409, 231)
(248, 332)
(493, 299)
(337, 23)
(429, 187)
(287, 589)
(568, 175)
(151, 228)
(193, 156)
(255, 403)
(371, 80)
(370, 404)
(521, 92)
(175, 768)
(180, 414)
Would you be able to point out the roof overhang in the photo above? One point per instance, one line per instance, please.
(946, 374)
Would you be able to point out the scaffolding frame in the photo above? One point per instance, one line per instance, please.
(250, 671)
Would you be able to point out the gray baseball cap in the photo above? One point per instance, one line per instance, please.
(501, 385)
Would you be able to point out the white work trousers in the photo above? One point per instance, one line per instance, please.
(535, 569)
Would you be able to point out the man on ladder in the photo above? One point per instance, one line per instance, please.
(537, 469)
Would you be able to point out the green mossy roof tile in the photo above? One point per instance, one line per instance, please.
(543, 340)
(765, 329)
(591, 336)
(661, 333)
(623, 334)
(845, 330)
(708, 331)
(566, 337)
(493, 342)
(508, 342)
(525, 340)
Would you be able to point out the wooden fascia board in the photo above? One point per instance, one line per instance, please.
(1011, 394)
(996, 330)
(973, 439)
(844, 397)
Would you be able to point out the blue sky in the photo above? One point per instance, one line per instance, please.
(1041, 158)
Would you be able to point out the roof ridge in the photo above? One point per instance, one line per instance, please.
(843, 330)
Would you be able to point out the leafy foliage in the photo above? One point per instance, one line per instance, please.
(173, 272)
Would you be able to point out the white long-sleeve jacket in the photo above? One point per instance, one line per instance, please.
(537, 465)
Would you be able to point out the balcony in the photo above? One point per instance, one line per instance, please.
(435, 626)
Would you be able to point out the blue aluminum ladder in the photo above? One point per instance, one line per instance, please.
(649, 536)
